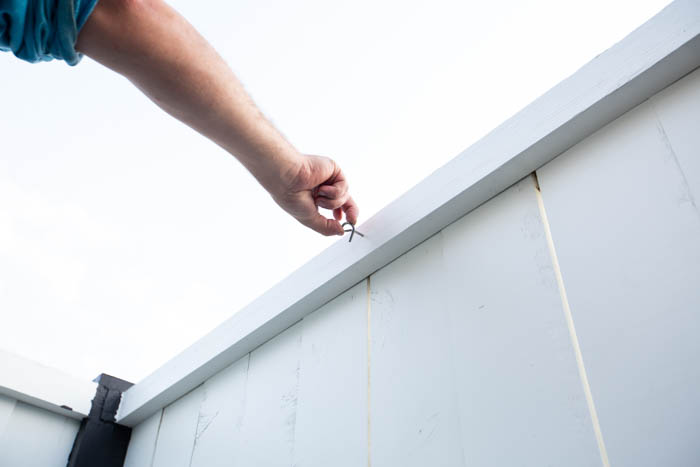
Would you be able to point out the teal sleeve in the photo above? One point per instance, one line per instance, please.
(43, 30)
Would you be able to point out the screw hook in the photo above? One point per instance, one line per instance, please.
(351, 230)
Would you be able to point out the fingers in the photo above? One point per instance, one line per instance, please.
(318, 171)
(326, 226)
(338, 189)
(329, 189)
(351, 210)
(331, 203)
(339, 201)
(332, 196)
(323, 225)
(344, 204)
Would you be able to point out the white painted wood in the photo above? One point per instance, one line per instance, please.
(35, 437)
(414, 414)
(656, 54)
(521, 400)
(44, 387)
(628, 240)
(177, 431)
(218, 439)
(678, 110)
(289, 404)
(267, 431)
(7, 405)
(331, 420)
(142, 444)
(471, 358)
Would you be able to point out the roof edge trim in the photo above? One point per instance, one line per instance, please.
(45, 387)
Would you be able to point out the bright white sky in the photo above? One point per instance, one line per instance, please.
(125, 236)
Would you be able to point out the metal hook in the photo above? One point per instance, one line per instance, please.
(351, 230)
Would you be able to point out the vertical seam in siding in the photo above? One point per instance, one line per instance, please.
(199, 418)
(570, 325)
(369, 348)
(155, 444)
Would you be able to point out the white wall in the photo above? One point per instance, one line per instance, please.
(300, 399)
(547, 327)
(471, 360)
(34, 437)
(626, 225)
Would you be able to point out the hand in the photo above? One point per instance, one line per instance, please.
(318, 182)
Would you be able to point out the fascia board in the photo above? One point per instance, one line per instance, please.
(45, 387)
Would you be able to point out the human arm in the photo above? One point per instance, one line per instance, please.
(163, 55)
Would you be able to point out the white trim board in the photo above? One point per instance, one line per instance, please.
(44, 387)
(652, 57)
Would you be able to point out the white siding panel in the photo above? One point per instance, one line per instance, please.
(471, 358)
(286, 404)
(521, 400)
(678, 109)
(267, 432)
(331, 421)
(7, 405)
(35, 437)
(177, 431)
(628, 239)
(142, 443)
(217, 439)
(414, 416)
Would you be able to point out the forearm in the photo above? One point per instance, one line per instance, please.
(164, 56)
